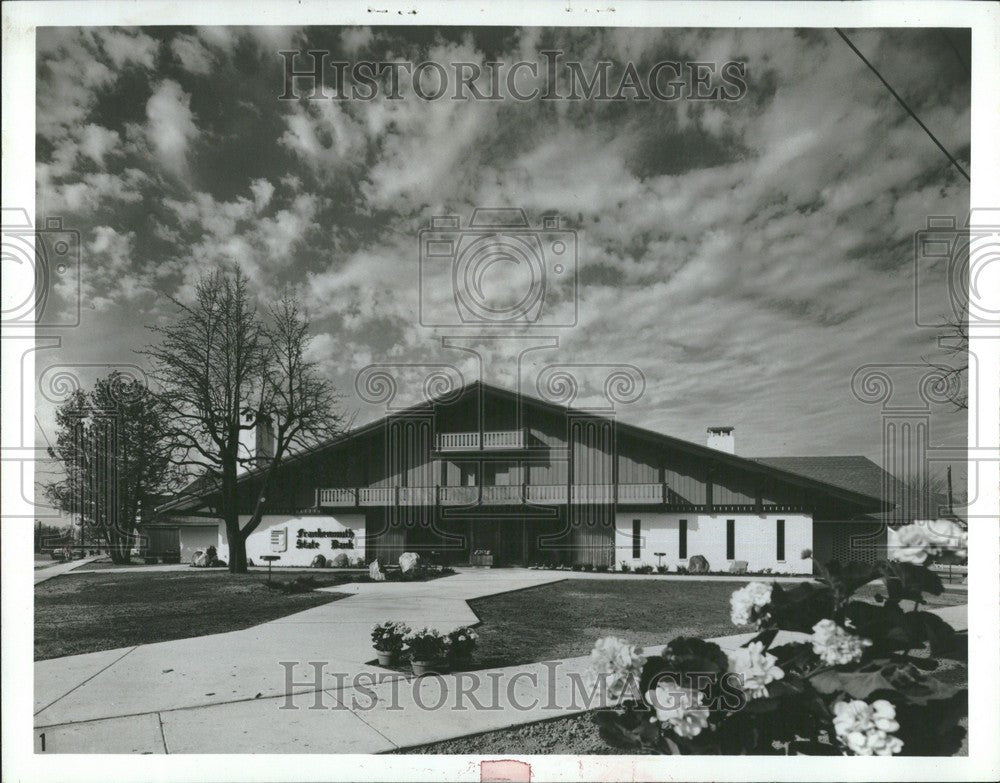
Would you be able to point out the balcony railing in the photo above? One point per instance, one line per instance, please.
(471, 441)
(640, 493)
(491, 495)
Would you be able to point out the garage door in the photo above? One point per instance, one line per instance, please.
(195, 537)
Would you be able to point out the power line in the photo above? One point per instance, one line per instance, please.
(903, 103)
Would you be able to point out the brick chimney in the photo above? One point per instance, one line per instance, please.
(722, 438)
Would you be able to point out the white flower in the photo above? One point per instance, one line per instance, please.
(908, 544)
(755, 595)
(865, 729)
(835, 646)
(914, 543)
(678, 709)
(947, 535)
(756, 669)
(616, 662)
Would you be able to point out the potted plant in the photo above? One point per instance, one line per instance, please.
(427, 647)
(462, 641)
(387, 639)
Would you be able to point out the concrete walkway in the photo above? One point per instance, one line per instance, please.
(302, 683)
(44, 574)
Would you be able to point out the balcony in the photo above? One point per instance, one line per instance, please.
(492, 495)
(500, 440)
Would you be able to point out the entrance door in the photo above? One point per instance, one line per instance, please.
(503, 537)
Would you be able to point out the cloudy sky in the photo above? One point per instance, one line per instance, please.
(746, 256)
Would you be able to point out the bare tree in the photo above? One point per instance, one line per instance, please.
(953, 339)
(224, 370)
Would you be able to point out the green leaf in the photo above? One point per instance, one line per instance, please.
(858, 685)
(926, 626)
(766, 637)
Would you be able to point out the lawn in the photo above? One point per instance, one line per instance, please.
(563, 620)
(79, 613)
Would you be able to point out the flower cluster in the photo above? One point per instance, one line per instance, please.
(916, 542)
(835, 646)
(389, 636)
(745, 601)
(617, 663)
(463, 641)
(678, 709)
(866, 729)
(426, 644)
(755, 668)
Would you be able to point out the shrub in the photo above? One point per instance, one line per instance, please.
(340, 560)
(426, 644)
(662, 569)
(644, 569)
(588, 567)
(388, 636)
(601, 569)
(681, 569)
(577, 566)
(462, 641)
(301, 584)
(849, 687)
(625, 567)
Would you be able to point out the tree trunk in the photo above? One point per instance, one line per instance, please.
(238, 554)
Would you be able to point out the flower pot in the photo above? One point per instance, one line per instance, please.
(385, 658)
(421, 667)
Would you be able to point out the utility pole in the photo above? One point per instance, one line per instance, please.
(951, 511)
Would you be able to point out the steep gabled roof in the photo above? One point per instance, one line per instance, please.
(850, 472)
(867, 494)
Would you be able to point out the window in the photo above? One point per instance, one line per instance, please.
(636, 538)
(780, 539)
(730, 539)
(682, 540)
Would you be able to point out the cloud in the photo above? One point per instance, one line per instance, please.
(746, 256)
(170, 126)
(96, 142)
(192, 54)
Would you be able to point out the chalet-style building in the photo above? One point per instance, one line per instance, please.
(488, 470)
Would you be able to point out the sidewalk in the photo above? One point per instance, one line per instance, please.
(229, 693)
(44, 574)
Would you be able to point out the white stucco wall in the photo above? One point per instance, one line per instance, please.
(756, 540)
(259, 542)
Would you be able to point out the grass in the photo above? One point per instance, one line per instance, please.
(563, 620)
(80, 613)
(544, 622)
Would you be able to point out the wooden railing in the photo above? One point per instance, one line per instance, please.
(471, 441)
(336, 497)
(640, 493)
(377, 496)
(515, 494)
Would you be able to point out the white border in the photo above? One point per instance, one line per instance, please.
(19, 764)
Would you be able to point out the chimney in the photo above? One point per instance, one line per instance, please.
(722, 438)
(263, 438)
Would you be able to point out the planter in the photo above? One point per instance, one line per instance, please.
(385, 658)
(422, 667)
